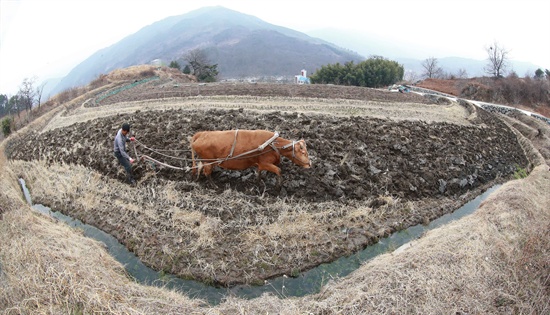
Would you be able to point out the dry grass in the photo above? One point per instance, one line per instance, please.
(452, 87)
(496, 261)
(144, 71)
(47, 267)
(497, 91)
(298, 232)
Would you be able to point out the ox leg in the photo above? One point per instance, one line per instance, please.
(273, 169)
(211, 182)
(198, 170)
(194, 165)
(259, 176)
(208, 173)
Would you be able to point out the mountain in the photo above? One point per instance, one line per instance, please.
(241, 45)
(411, 53)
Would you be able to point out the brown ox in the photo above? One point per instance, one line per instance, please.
(241, 149)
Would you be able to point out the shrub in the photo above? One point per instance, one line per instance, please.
(520, 173)
(373, 72)
(6, 126)
(186, 69)
(101, 80)
(147, 73)
(175, 64)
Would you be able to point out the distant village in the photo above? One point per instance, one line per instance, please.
(301, 78)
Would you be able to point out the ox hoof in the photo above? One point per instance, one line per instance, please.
(212, 185)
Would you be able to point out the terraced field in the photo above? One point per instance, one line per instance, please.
(382, 162)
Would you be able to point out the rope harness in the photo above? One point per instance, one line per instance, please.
(270, 142)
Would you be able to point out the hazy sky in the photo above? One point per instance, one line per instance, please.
(47, 38)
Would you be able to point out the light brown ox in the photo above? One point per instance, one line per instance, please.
(242, 149)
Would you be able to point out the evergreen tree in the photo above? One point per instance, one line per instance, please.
(186, 69)
(6, 126)
(3, 105)
(15, 104)
(175, 64)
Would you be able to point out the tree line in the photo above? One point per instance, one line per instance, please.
(198, 65)
(28, 96)
(373, 72)
(503, 86)
(497, 66)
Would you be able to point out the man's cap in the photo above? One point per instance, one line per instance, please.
(126, 126)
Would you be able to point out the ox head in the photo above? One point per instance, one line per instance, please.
(299, 154)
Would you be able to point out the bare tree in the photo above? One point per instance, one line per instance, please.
(39, 91)
(196, 58)
(431, 69)
(497, 60)
(462, 73)
(200, 65)
(27, 93)
(411, 76)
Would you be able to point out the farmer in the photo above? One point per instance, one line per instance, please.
(120, 151)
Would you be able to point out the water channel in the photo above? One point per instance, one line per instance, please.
(308, 282)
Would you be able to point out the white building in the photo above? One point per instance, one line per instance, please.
(301, 78)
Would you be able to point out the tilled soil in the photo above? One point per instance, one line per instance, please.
(353, 157)
(370, 177)
(162, 88)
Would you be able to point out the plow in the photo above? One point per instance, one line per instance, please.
(233, 150)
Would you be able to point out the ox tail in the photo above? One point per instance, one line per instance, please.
(196, 167)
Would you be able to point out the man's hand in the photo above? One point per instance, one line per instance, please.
(132, 139)
(132, 161)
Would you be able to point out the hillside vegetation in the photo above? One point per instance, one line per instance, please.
(524, 93)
